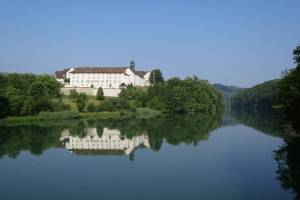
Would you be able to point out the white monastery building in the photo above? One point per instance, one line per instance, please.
(105, 77)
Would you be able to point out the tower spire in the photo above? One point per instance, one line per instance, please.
(132, 64)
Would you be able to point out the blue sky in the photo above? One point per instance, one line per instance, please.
(231, 42)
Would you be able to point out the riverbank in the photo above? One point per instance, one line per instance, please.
(71, 115)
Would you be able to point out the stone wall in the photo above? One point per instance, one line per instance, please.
(108, 92)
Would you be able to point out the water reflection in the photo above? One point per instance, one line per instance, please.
(107, 136)
(124, 137)
(269, 123)
(106, 142)
(287, 155)
(288, 159)
(35, 138)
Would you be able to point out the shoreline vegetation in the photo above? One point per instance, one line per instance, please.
(141, 113)
(279, 96)
(28, 98)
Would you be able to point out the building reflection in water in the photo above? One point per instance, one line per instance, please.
(111, 142)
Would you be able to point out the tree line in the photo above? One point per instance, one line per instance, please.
(282, 95)
(172, 96)
(28, 94)
(261, 97)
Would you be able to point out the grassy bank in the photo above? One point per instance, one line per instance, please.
(142, 113)
(59, 116)
(90, 99)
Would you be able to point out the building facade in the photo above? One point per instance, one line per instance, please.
(105, 77)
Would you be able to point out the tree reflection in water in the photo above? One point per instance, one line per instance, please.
(189, 129)
(287, 156)
(288, 159)
(151, 133)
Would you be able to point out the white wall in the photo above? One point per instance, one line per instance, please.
(146, 79)
(110, 82)
(108, 92)
(104, 80)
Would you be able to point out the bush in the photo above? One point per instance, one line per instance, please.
(108, 105)
(73, 94)
(59, 105)
(81, 100)
(91, 107)
(114, 104)
(100, 94)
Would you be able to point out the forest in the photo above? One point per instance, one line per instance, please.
(260, 97)
(28, 94)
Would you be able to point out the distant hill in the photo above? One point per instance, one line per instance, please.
(226, 88)
(259, 97)
(227, 92)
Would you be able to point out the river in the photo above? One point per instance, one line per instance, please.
(190, 157)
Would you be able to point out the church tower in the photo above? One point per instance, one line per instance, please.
(132, 65)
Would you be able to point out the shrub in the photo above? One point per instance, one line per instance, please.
(107, 105)
(100, 94)
(59, 105)
(73, 94)
(91, 107)
(81, 100)
(114, 104)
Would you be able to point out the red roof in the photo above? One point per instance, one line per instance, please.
(61, 74)
(140, 73)
(117, 70)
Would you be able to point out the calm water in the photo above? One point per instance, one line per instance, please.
(180, 158)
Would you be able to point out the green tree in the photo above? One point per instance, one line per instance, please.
(51, 86)
(38, 99)
(134, 94)
(296, 54)
(4, 107)
(81, 100)
(289, 92)
(100, 94)
(183, 96)
(28, 93)
(156, 76)
(73, 94)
